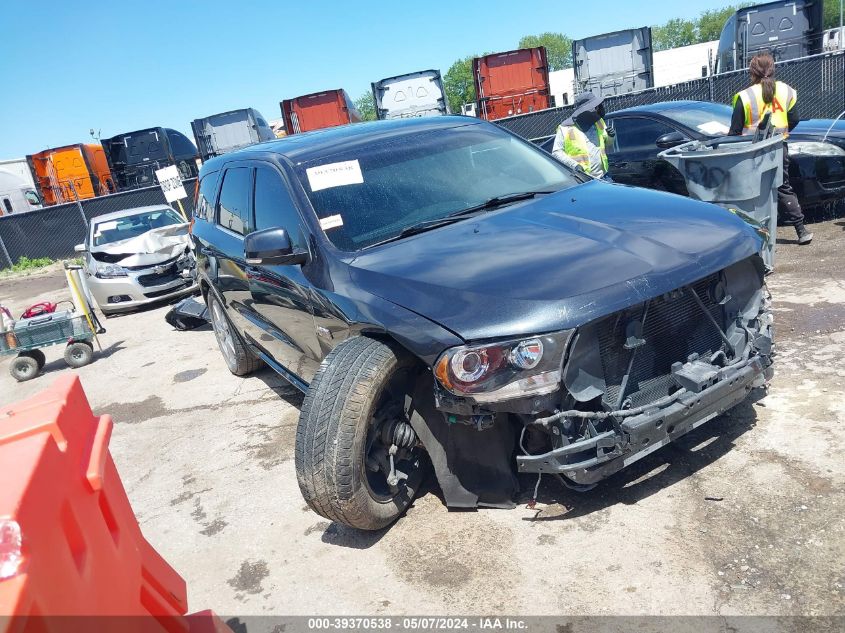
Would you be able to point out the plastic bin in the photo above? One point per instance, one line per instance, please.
(735, 172)
(44, 329)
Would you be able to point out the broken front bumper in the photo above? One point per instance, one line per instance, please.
(593, 459)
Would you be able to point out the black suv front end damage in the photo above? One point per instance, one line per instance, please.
(629, 382)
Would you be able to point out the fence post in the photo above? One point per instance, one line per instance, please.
(710, 81)
(6, 253)
(79, 206)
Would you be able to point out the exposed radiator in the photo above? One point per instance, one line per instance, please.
(673, 328)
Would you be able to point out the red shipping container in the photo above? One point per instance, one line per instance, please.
(511, 83)
(318, 110)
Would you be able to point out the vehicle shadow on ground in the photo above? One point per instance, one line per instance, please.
(344, 536)
(59, 364)
(171, 301)
(278, 385)
(663, 468)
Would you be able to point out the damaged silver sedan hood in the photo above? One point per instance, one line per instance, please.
(150, 248)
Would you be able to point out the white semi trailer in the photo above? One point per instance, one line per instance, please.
(413, 95)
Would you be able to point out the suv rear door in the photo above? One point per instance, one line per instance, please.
(233, 221)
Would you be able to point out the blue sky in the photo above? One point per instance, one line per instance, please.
(71, 65)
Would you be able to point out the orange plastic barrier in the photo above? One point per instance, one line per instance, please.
(82, 551)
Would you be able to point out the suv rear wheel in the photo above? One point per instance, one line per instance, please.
(358, 461)
(239, 358)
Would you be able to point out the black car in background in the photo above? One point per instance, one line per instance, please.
(445, 293)
(816, 148)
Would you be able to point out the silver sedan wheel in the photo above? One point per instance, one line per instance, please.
(223, 333)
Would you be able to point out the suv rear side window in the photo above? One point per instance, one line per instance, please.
(205, 199)
(233, 207)
(274, 206)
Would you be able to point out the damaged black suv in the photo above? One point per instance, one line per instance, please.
(449, 296)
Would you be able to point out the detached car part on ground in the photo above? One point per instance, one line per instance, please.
(137, 257)
(445, 293)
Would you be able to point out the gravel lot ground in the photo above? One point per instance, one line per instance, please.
(745, 515)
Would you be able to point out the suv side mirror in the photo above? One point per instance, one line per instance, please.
(271, 247)
(79, 248)
(672, 139)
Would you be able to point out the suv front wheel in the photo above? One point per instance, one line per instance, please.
(358, 460)
(239, 358)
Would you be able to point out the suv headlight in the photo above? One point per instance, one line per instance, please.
(815, 148)
(110, 271)
(504, 370)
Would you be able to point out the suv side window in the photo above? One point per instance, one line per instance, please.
(274, 206)
(233, 207)
(638, 133)
(205, 196)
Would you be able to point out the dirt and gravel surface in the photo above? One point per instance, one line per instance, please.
(745, 515)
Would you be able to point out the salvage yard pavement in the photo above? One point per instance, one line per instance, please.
(745, 515)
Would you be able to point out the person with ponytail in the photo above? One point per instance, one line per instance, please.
(765, 96)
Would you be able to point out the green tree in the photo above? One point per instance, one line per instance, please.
(366, 106)
(711, 23)
(674, 33)
(558, 48)
(831, 14)
(458, 84)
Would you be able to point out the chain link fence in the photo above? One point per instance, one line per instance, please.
(819, 81)
(54, 231)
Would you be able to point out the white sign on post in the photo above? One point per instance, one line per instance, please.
(171, 183)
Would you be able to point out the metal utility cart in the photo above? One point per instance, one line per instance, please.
(31, 335)
(741, 173)
(76, 329)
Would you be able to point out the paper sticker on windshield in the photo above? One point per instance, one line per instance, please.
(347, 172)
(106, 226)
(713, 128)
(331, 222)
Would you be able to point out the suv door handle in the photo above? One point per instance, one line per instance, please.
(619, 165)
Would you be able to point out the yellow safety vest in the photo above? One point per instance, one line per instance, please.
(575, 144)
(755, 108)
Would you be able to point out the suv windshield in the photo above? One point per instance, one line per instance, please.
(109, 231)
(712, 119)
(371, 193)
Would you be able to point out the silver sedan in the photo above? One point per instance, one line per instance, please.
(138, 256)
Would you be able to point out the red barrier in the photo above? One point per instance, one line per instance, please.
(82, 552)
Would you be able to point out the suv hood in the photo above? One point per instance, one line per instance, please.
(554, 262)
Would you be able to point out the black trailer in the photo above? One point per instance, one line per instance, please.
(134, 157)
(786, 29)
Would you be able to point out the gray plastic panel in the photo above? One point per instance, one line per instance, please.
(740, 175)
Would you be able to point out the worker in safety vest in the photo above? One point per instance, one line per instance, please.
(580, 141)
(778, 100)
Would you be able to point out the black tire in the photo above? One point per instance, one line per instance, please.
(24, 368)
(334, 437)
(239, 358)
(79, 354)
(38, 355)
